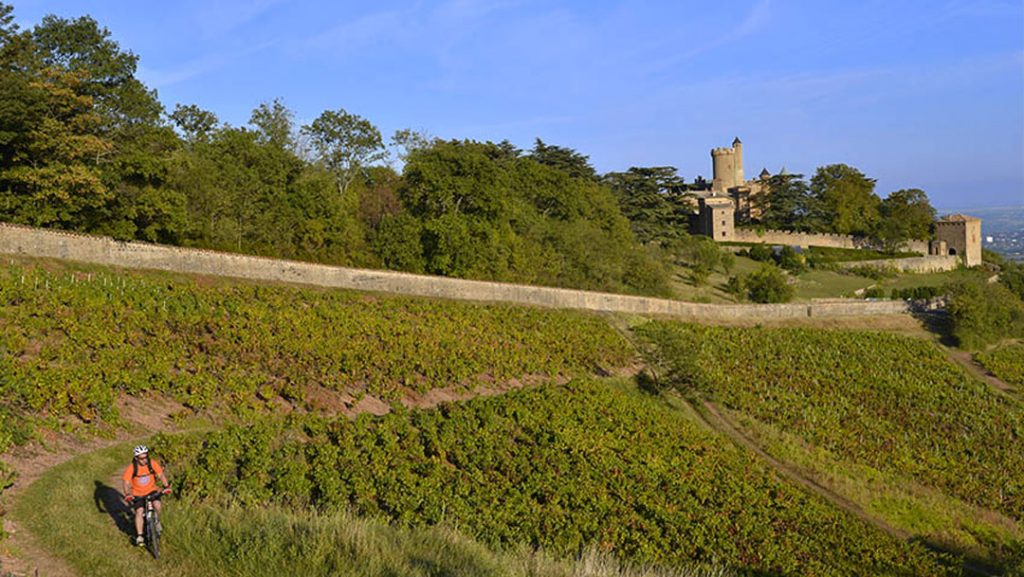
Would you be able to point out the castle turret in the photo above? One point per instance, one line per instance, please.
(737, 147)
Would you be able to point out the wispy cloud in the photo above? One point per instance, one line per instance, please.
(218, 17)
(352, 35)
(197, 67)
(756, 19)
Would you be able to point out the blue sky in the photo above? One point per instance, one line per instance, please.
(926, 94)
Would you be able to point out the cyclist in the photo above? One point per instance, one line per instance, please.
(139, 481)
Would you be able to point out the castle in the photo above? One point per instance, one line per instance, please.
(731, 195)
(728, 182)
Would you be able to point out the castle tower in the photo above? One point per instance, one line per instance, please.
(962, 235)
(727, 167)
(737, 155)
(723, 168)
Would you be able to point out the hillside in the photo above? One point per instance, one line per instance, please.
(576, 466)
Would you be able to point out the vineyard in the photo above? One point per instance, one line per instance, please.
(886, 401)
(71, 342)
(1006, 362)
(565, 468)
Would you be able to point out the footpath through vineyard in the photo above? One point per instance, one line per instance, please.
(22, 554)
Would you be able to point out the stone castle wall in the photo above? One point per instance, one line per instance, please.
(806, 239)
(802, 239)
(41, 243)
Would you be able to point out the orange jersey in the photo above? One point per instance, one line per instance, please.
(144, 483)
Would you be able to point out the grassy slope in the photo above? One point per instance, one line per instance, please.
(813, 284)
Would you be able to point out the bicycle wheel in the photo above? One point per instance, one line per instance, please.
(152, 535)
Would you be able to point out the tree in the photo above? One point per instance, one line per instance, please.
(655, 201)
(564, 159)
(406, 141)
(983, 313)
(844, 201)
(274, 124)
(905, 214)
(786, 204)
(51, 177)
(195, 123)
(768, 285)
(345, 143)
(108, 73)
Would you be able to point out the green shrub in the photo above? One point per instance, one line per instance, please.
(761, 253)
(873, 272)
(874, 292)
(789, 259)
(983, 313)
(768, 285)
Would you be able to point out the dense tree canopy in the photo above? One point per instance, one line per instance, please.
(844, 200)
(564, 159)
(655, 201)
(787, 204)
(905, 214)
(345, 144)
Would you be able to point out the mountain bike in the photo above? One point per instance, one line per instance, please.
(151, 527)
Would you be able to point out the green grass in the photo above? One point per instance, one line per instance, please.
(61, 510)
(910, 280)
(819, 284)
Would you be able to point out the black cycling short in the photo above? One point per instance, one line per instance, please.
(140, 502)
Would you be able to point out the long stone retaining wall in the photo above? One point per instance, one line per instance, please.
(919, 264)
(806, 239)
(42, 243)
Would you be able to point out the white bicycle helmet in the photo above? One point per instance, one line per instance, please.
(140, 450)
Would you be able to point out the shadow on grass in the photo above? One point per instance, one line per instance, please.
(108, 500)
(937, 323)
(969, 564)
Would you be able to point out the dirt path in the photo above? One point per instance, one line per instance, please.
(975, 369)
(21, 554)
(717, 420)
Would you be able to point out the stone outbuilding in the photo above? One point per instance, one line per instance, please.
(962, 237)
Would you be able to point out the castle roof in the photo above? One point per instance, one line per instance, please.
(764, 173)
(737, 140)
(959, 218)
